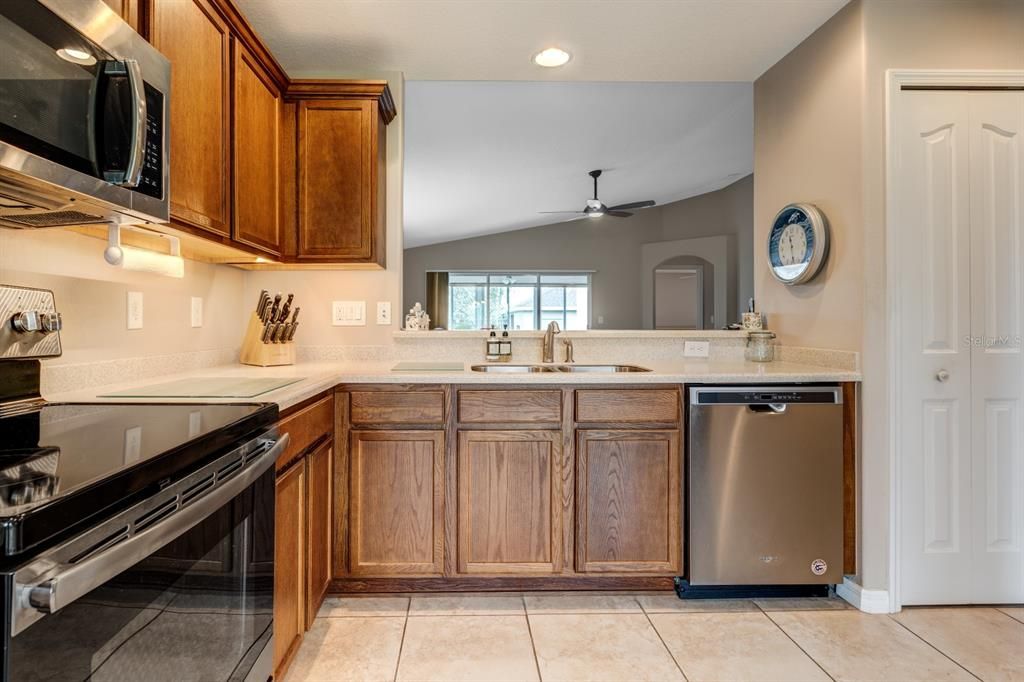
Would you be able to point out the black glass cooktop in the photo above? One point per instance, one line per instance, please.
(67, 463)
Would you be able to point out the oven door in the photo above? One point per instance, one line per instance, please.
(179, 587)
(80, 113)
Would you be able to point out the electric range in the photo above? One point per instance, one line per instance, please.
(128, 528)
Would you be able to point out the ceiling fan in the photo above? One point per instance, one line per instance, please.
(595, 209)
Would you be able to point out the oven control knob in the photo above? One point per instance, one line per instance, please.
(40, 597)
(35, 321)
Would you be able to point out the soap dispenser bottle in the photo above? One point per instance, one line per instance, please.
(505, 346)
(492, 348)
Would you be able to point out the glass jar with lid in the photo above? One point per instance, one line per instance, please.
(760, 346)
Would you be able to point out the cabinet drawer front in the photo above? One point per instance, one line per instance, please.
(509, 407)
(397, 407)
(305, 427)
(628, 405)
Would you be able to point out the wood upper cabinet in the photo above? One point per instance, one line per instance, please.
(628, 502)
(510, 501)
(396, 505)
(319, 490)
(289, 564)
(341, 208)
(196, 39)
(256, 122)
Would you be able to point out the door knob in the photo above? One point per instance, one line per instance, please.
(942, 376)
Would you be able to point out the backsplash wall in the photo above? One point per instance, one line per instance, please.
(92, 298)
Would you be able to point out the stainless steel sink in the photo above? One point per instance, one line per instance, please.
(529, 369)
(512, 369)
(602, 368)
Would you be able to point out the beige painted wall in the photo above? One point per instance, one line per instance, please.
(315, 289)
(820, 136)
(92, 298)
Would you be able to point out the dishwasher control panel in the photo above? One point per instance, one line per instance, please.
(768, 395)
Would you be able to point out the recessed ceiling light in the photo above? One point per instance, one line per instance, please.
(76, 56)
(551, 57)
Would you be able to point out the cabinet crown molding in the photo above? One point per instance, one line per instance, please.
(322, 88)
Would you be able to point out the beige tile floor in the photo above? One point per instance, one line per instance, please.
(620, 637)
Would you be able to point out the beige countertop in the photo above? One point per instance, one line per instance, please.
(321, 376)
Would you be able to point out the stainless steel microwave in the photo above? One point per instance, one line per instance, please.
(84, 117)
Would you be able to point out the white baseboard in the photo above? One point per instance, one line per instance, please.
(868, 601)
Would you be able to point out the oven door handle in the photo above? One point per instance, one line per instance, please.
(65, 583)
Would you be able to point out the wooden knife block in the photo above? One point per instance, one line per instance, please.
(255, 352)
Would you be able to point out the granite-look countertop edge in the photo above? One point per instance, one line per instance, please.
(320, 377)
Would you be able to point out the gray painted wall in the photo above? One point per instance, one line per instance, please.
(609, 246)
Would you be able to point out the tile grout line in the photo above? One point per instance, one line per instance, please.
(1008, 614)
(401, 644)
(795, 643)
(943, 653)
(661, 639)
(533, 645)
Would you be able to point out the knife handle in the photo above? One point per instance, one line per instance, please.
(291, 332)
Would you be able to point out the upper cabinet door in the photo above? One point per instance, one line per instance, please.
(195, 38)
(341, 181)
(256, 116)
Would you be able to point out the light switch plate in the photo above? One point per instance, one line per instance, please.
(134, 310)
(132, 444)
(197, 311)
(383, 312)
(696, 349)
(348, 313)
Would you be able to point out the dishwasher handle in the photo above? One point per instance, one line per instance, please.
(768, 408)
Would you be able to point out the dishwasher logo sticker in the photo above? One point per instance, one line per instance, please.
(818, 567)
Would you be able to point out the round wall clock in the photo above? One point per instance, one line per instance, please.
(797, 243)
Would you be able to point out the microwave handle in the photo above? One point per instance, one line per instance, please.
(136, 157)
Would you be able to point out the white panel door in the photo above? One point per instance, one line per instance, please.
(960, 243)
(997, 367)
(933, 232)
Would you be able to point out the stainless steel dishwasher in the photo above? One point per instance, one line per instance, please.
(765, 467)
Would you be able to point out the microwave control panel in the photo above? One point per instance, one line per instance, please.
(152, 180)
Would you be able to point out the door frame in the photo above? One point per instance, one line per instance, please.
(896, 79)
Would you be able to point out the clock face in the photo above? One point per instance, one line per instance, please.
(797, 243)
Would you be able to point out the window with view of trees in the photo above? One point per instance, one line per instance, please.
(478, 300)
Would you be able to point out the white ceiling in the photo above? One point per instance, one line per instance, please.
(611, 40)
(486, 157)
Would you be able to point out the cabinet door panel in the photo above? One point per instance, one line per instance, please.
(336, 211)
(289, 564)
(320, 488)
(256, 123)
(193, 36)
(628, 502)
(509, 506)
(396, 506)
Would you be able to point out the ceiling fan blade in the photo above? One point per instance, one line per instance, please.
(559, 211)
(635, 204)
(618, 214)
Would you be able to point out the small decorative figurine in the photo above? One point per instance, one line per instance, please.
(417, 320)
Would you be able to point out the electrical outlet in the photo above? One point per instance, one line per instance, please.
(383, 312)
(348, 313)
(197, 311)
(696, 349)
(134, 310)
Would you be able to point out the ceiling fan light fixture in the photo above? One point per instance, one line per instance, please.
(551, 58)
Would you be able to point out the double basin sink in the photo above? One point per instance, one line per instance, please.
(530, 369)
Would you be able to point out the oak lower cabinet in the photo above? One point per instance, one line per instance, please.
(628, 501)
(396, 503)
(289, 564)
(509, 502)
(319, 528)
